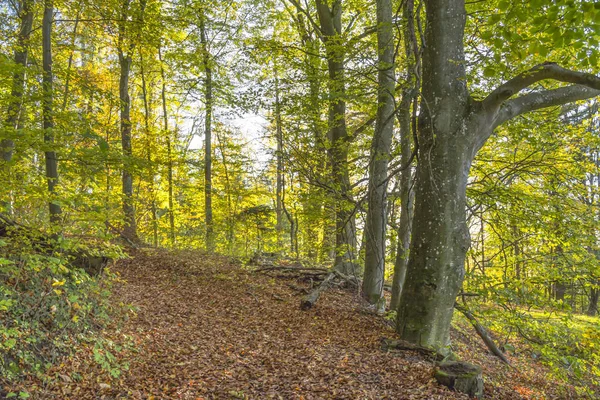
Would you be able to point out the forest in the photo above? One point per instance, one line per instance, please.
(299, 199)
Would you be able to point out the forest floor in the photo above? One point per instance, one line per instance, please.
(207, 327)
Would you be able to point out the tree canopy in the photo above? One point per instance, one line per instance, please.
(444, 151)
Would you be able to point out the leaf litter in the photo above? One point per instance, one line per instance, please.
(206, 327)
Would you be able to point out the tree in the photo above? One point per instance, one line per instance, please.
(330, 20)
(208, 103)
(406, 123)
(375, 229)
(48, 110)
(453, 127)
(24, 9)
(125, 49)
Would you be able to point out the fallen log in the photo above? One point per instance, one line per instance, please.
(347, 278)
(291, 269)
(482, 332)
(310, 299)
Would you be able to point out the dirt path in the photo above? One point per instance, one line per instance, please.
(207, 328)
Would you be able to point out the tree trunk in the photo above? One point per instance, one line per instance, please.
(228, 190)
(594, 296)
(50, 154)
(130, 229)
(409, 96)
(147, 133)
(375, 229)
(345, 228)
(16, 95)
(70, 62)
(314, 203)
(208, 102)
(163, 94)
(440, 236)
(279, 156)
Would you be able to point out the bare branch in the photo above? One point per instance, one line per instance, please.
(547, 70)
(544, 99)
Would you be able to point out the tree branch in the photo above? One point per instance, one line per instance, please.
(310, 18)
(544, 99)
(547, 70)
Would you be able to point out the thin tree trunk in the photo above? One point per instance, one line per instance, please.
(407, 125)
(149, 153)
(208, 102)
(375, 230)
(167, 133)
(50, 154)
(15, 104)
(228, 189)
(594, 296)
(279, 156)
(70, 62)
(312, 205)
(130, 229)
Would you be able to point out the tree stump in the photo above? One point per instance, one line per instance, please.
(461, 376)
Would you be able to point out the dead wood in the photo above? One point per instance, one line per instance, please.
(482, 332)
(310, 299)
(291, 269)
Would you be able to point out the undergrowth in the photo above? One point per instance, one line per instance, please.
(48, 305)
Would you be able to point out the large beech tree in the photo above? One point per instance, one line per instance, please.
(452, 128)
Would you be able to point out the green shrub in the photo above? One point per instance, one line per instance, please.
(46, 305)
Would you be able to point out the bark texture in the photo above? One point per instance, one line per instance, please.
(452, 128)
(440, 235)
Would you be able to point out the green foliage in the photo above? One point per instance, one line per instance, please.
(47, 306)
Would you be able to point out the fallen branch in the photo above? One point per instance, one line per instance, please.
(292, 269)
(350, 279)
(481, 331)
(310, 299)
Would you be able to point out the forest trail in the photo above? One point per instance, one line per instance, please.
(206, 327)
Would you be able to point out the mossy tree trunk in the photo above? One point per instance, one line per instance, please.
(452, 128)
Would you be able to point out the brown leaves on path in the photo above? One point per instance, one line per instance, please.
(208, 328)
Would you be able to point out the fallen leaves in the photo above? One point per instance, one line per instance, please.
(207, 329)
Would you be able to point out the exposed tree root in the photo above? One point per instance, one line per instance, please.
(390, 344)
